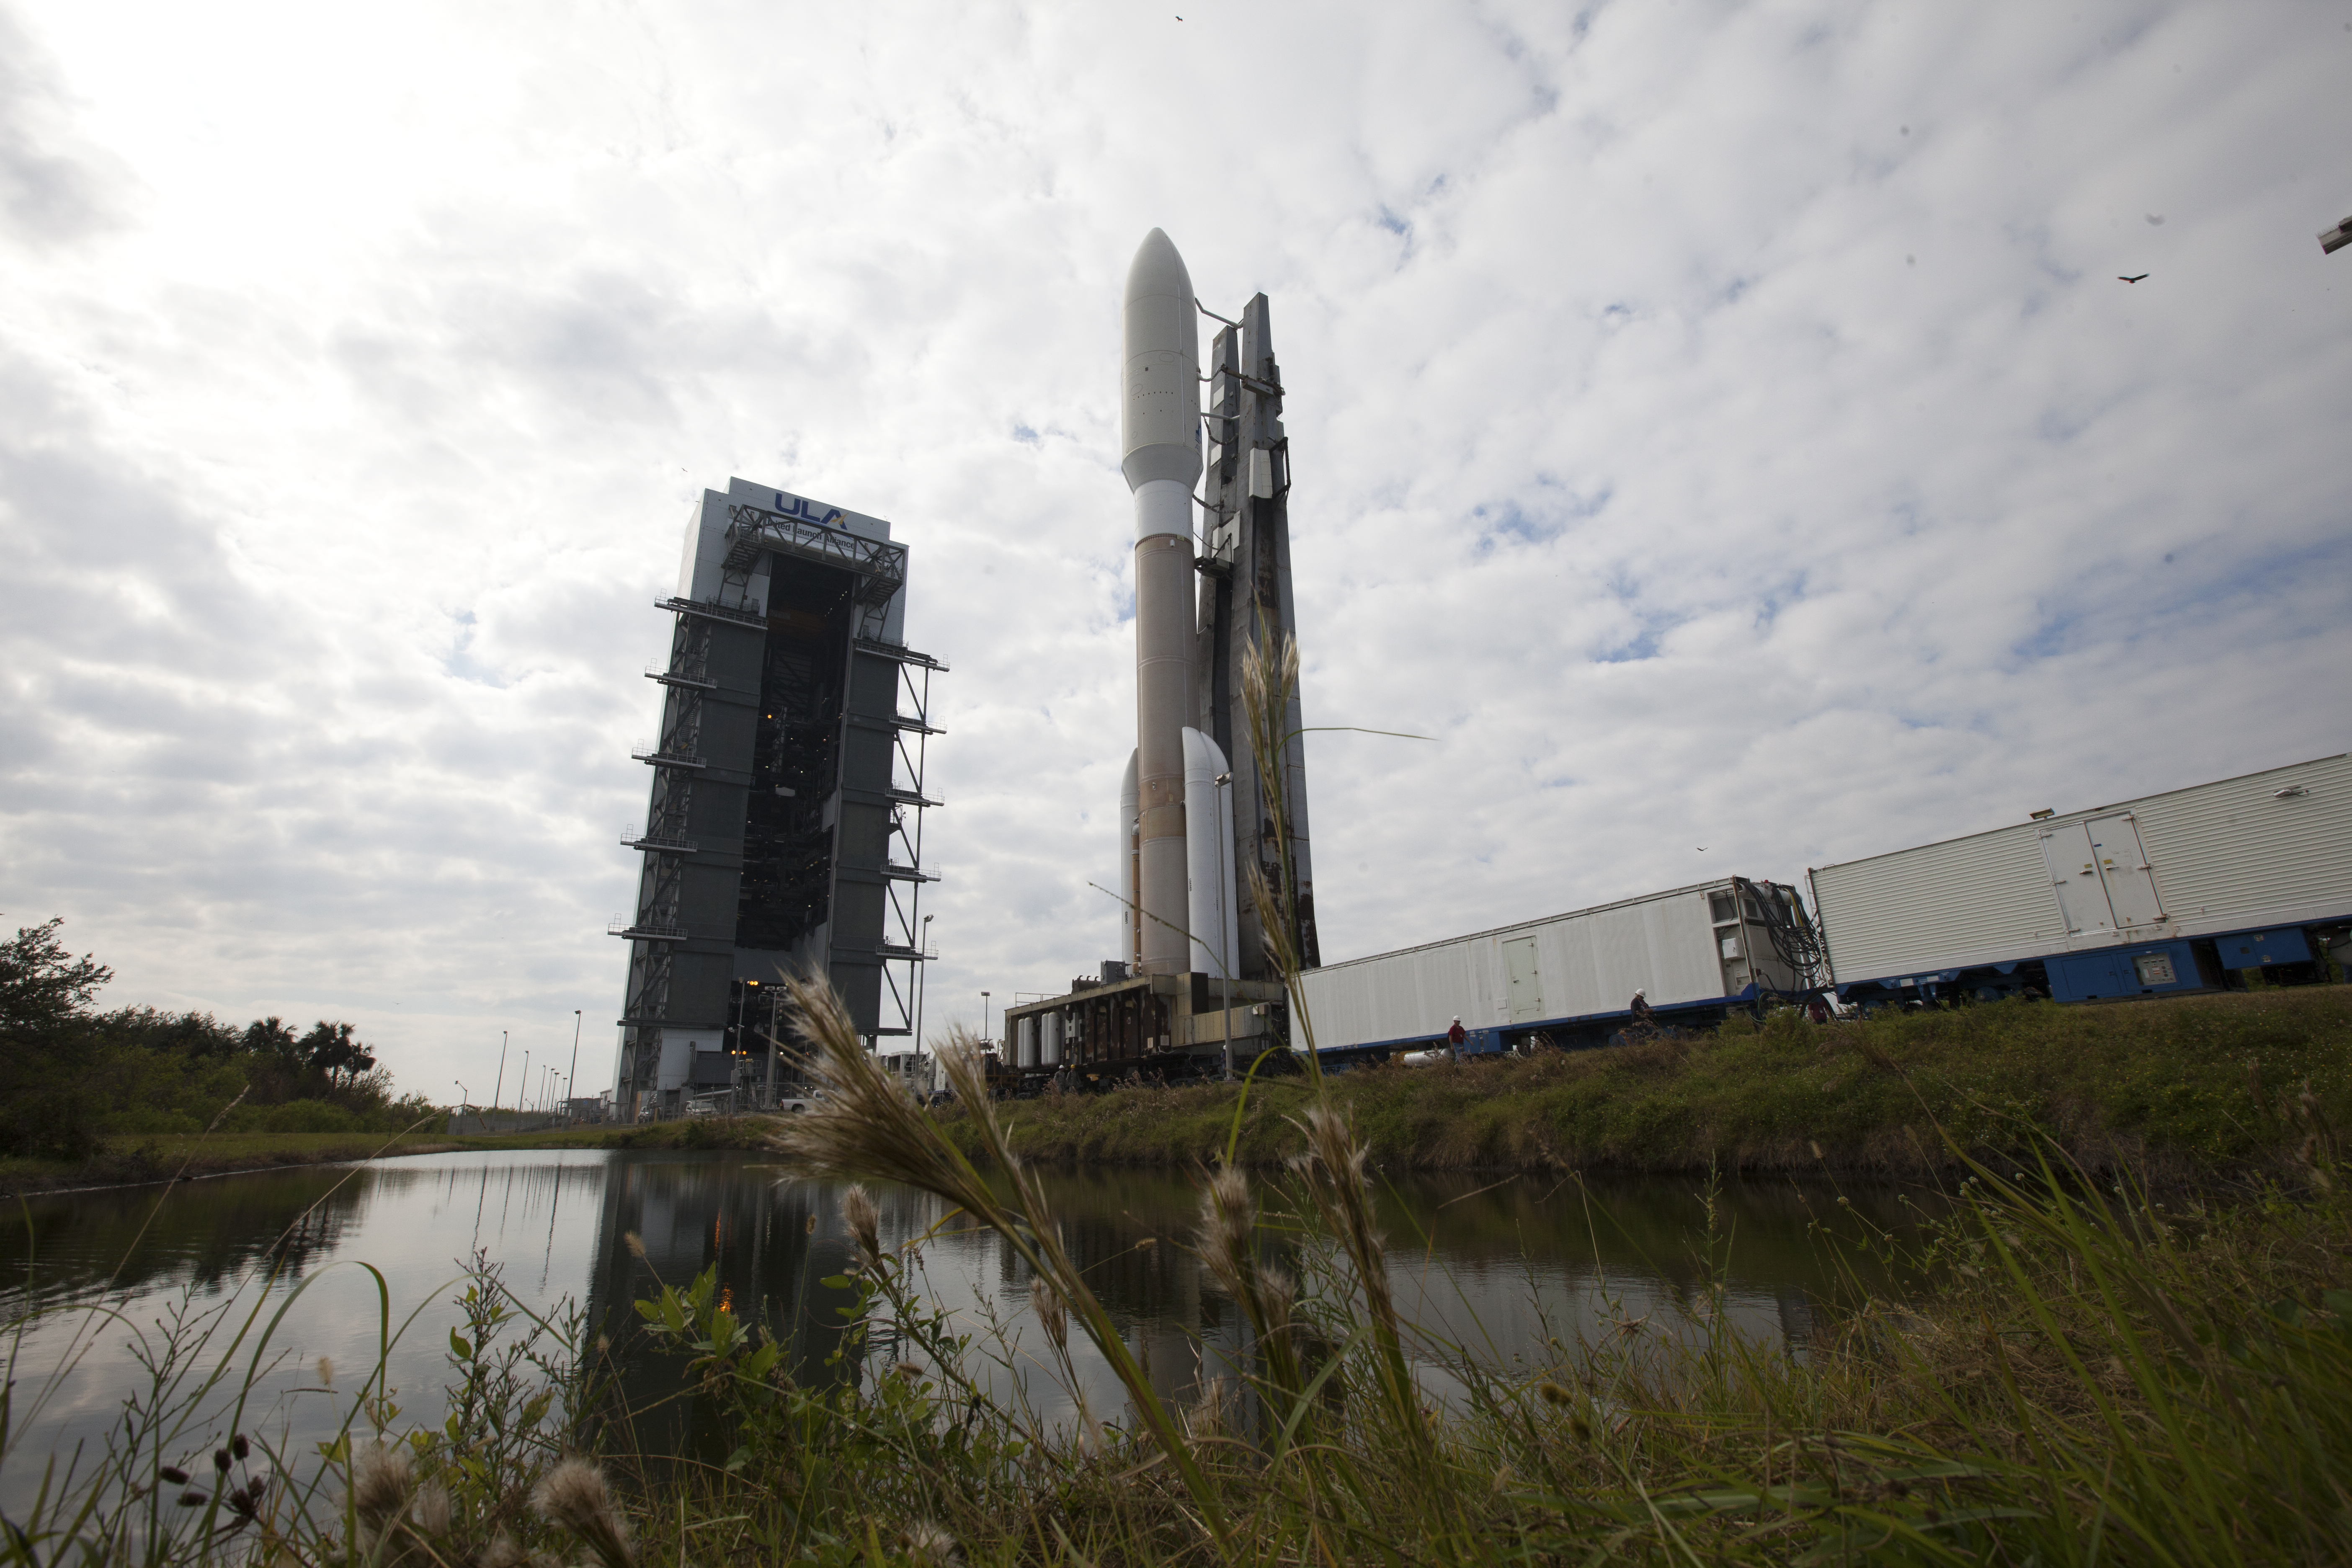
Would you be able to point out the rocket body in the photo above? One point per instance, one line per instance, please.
(1160, 452)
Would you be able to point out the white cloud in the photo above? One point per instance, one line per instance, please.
(1716, 425)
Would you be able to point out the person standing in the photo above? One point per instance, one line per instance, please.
(1454, 1037)
(1643, 1017)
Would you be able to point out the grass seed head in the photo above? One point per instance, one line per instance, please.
(382, 1482)
(1052, 1312)
(865, 1221)
(1227, 1222)
(431, 1510)
(865, 1124)
(573, 1497)
(929, 1544)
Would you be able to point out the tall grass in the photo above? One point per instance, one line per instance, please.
(2099, 1374)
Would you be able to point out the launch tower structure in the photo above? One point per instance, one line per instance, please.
(784, 827)
(1245, 597)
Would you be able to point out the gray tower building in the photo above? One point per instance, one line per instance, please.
(786, 826)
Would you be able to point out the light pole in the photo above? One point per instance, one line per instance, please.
(574, 1066)
(499, 1088)
(465, 1103)
(983, 1017)
(523, 1080)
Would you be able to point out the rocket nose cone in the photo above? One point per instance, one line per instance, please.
(1157, 269)
(1159, 355)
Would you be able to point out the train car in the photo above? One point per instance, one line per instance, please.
(1694, 952)
(2166, 893)
(1155, 1027)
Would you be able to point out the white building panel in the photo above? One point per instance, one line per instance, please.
(2264, 849)
(1588, 962)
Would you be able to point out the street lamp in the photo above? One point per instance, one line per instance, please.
(983, 1016)
(499, 1088)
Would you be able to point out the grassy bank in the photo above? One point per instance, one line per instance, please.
(130, 1159)
(2091, 1376)
(2172, 1087)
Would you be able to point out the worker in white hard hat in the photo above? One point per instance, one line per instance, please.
(1640, 1008)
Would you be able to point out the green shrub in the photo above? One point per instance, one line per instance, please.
(149, 1121)
(294, 1116)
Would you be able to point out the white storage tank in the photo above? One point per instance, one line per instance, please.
(1025, 1054)
(1050, 1042)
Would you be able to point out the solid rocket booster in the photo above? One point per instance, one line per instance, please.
(1209, 859)
(1159, 452)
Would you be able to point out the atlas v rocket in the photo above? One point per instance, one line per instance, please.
(1196, 812)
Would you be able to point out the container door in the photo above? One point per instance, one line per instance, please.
(2075, 872)
(2124, 868)
(1525, 983)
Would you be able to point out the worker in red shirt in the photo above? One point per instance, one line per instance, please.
(1454, 1037)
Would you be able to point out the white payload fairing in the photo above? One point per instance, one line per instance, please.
(1175, 925)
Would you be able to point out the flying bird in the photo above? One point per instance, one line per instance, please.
(2121, 278)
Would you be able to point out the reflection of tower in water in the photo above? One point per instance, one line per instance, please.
(772, 1242)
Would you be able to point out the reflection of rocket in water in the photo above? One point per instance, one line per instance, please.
(1178, 839)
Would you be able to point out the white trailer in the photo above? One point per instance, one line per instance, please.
(2168, 892)
(1693, 951)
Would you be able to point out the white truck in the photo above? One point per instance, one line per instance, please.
(1568, 979)
(2165, 893)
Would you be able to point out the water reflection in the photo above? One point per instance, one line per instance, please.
(1493, 1269)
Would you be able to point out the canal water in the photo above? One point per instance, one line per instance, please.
(94, 1285)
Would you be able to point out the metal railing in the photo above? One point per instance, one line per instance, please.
(651, 752)
(661, 842)
(747, 613)
(626, 925)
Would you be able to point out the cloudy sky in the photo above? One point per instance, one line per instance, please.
(1719, 426)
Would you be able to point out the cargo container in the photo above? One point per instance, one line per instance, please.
(2172, 892)
(1568, 979)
